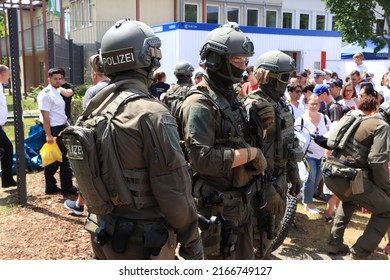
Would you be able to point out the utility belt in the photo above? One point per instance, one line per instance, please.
(334, 167)
(158, 240)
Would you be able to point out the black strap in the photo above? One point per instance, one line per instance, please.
(223, 105)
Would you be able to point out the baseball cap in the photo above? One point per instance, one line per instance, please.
(201, 61)
(327, 71)
(320, 89)
(335, 82)
(302, 74)
(199, 74)
(318, 73)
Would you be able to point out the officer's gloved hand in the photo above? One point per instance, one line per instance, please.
(259, 162)
(274, 202)
(192, 251)
(296, 185)
(265, 111)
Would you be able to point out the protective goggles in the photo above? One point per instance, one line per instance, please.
(235, 59)
(282, 77)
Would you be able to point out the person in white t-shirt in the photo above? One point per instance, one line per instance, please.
(296, 107)
(360, 66)
(54, 120)
(315, 123)
(6, 147)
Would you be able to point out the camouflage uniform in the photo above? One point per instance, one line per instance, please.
(272, 70)
(154, 208)
(368, 149)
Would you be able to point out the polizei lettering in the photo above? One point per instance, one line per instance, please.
(119, 59)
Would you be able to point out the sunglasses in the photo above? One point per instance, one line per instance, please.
(298, 91)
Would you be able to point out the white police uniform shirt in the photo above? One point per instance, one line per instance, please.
(50, 99)
(3, 107)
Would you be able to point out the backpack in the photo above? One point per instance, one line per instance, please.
(93, 154)
(348, 124)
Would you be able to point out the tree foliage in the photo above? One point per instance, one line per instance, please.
(357, 20)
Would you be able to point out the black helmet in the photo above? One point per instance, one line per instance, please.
(225, 40)
(130, 45)
(183, 68)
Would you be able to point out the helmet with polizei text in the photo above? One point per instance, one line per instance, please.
(130, 45)
(183, 68)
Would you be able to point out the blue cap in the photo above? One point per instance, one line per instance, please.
(320, 89)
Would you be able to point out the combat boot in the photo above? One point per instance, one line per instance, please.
(337, 248)
(355, 256)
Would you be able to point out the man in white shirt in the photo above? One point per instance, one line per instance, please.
(296, 107)
(54, 120)
(6, 147)
(360, 66)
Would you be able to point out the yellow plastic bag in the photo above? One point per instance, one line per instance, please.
(50, 153)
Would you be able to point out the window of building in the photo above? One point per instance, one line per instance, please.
(287, 20)
(191, 13)
(90, 12)
(320, 22)
(75, 16)
(212, 14)
(82, 10)
(252, 17)
(380, 25)
(271, 18)
(67, 22)
(233, 14)
(334, 27)
(304, 21)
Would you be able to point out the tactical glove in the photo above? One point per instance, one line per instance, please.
(274, 202)
(193, 251)
(296, 186)
(259, 162)
(265, 111)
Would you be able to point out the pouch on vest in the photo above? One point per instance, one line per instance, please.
(357, 184)
(82, 154)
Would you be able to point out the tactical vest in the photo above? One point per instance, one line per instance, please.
(174, 93)
(93, 155)
(342, 140)
(234, 129)
(280, 144)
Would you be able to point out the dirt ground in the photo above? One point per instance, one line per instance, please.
(44, 230)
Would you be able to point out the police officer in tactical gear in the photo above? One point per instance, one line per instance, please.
(161, 211)
(183, 72)
(272, 70)
(215, 130)
(357, 172)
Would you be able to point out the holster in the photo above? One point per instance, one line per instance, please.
(122, 232)
(229, 238)
(167, 251)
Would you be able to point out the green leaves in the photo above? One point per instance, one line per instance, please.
(357, 20)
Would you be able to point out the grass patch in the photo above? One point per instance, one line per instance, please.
(27, 104)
